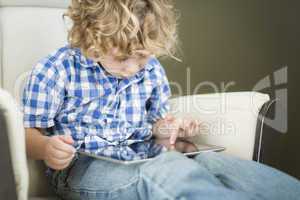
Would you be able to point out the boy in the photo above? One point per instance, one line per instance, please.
(104, 97)
(106, 93)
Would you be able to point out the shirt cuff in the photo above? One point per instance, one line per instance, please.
(32, 121)
(161, 114)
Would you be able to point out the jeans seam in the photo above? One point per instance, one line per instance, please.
(100, 191)
(157, 186)
(203, 164)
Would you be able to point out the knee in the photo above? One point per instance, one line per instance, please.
(214, 158)
(113, 177)
(170, 156)
(169, 165)
(208, 156)
(167, 160)
(173, 170)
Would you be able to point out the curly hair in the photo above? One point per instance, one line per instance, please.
(130, 26)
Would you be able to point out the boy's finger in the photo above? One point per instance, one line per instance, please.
(183, 128)
(190, 130)
(62, 146)
(180, 133)
(173, 137)
(169, 117)
(194, 129)
(61, 155)
(58, 166)
(58, 162)
(198, 126)
(62, 161)
(172, 147)
(67, 139)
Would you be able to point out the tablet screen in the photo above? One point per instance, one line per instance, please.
(186, 147)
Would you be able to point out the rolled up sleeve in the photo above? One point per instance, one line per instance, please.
(158, 105)
(43, 96)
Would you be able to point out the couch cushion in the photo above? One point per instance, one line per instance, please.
(227, 119)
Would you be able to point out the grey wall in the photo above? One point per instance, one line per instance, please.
(244, 41)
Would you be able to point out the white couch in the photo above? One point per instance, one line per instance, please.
(33, 28)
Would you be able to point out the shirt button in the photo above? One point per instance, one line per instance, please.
(72, 117)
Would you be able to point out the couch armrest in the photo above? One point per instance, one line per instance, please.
(7, 181)
(16, 137)
(227, 119)
(264, 112)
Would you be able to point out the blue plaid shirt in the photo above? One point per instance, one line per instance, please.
(68, 93)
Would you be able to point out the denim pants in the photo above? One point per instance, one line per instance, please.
(208, 176)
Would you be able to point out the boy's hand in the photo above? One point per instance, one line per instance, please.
(180, 145)
(171, 127)
(59, 152)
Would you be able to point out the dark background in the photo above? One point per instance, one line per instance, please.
(243, 41)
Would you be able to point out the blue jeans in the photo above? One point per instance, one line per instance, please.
(208, 176)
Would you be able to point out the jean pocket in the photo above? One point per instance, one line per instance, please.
(60, 177)
(76, 171)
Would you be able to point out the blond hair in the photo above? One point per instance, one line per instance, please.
(131, 26)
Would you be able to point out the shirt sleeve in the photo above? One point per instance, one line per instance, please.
(158, 104)
(42, 96)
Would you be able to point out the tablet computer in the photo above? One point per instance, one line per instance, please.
(200, 148)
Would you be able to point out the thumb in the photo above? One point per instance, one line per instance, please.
(173, 138)
(67, 139)
(169, 117)
(174, 133)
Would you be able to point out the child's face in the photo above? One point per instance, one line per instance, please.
(125, 68)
